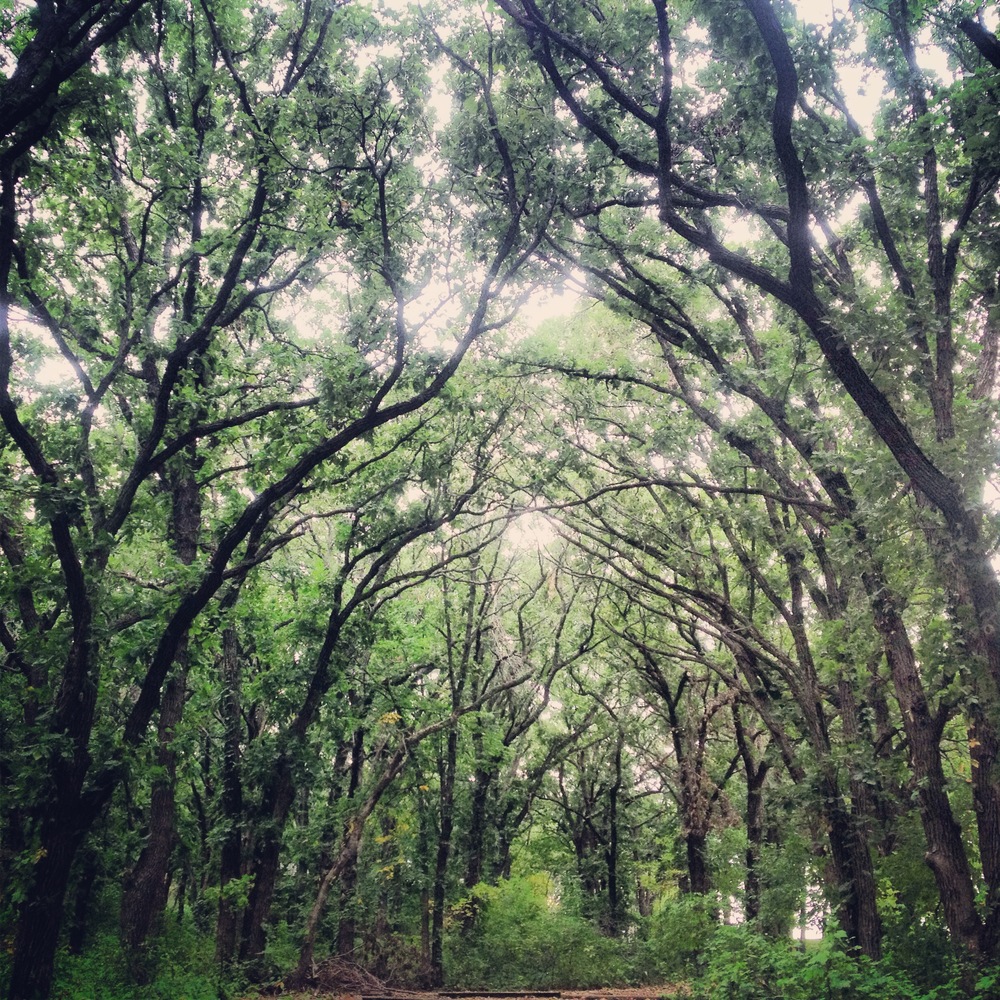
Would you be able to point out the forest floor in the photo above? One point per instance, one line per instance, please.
(608, 993)
(344, 981)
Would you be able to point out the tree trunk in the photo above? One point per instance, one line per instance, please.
(614, 918)
(348, 854)
(477, 828)
(265, 863)
(756, 775)
(984, 746)
(854, 875)
(755, 841)
(63, 820)
(40, 917)
(504, 858)
(425, 929)
(447, 802)
(644, 900)
(698, 881)
(347, 930)
(862, 811)
(946, 854)
(348, 851)
(868, 924)
(231, 800)
(144, 895)
(280, 792)
(82, 900)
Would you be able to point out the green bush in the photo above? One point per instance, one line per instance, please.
(918, 944)
(674, 939)
(517, 935)
(742, 965)
(181, 963)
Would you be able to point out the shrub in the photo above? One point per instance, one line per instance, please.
(742, 965)
(182, 966)
(517, 935)
(919, 944)
(674, 939)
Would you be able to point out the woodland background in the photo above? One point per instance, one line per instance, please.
(348, 606)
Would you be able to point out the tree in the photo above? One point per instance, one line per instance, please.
(219, 157)
(721, 530)
(655, 144)
(272, 472)
(500, 616)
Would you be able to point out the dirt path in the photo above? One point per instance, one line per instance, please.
(335, 979)
(608, 993)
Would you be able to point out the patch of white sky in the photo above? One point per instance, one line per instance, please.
(531, 531)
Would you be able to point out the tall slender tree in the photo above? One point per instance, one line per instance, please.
(153, 215)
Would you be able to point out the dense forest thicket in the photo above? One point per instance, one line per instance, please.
(349, 607)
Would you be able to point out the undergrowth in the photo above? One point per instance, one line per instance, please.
(523, 935)
(740, 965)
(180, 967)
(518, 935)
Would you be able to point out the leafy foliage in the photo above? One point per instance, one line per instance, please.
(738, 964)
(344, 608)
(517, 935)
